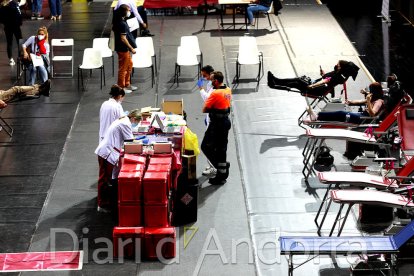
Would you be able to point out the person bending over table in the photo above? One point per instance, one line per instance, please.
(374, 103)
(31, 91)
(108, 151)
(342, 71)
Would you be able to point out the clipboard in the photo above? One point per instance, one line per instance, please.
(37, 60)
(133, 24)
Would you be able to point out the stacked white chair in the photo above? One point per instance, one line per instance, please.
(102, 44)
(92, 59)
(186, 57)
(191, 41)
(249, 55)
(146, 42)
(143, 59)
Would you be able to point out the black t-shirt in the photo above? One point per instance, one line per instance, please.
(11, 16)
(122, 28)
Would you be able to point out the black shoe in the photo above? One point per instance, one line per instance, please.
(217, 181)
(270, 79)
(146, 33)
(44, 88)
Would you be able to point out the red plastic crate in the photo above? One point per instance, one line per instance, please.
(130, 186)
(153, 236)
(160, 160)
(133, 167)
(134, 158)
(128, 249)
(129, 214)
(156, 215)
(155, 187)
(159, 168)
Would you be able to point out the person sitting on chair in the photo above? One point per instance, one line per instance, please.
(32, 91)
(342, 71)
(261, 5)
(374, 103)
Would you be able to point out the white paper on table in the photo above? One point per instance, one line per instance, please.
(37, 60)
(133, 24)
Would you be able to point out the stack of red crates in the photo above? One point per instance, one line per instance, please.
(150, 191)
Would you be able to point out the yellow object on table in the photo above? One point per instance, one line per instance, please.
(138, 2)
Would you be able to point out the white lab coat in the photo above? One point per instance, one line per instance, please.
(110, 111)
(205, 93)
(119, 131)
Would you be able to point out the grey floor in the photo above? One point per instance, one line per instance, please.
(265, 196)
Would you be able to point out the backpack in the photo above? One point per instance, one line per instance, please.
(323, 159)
(393, 97)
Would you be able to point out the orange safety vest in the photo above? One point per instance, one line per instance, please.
(219, 99)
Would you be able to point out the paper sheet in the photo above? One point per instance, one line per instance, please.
(133, 24)
(37, 60)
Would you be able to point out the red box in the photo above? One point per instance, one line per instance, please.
(134, 158)
(159, 168)
(166, 236)
(160, 160)
(132, 167)
(156, 215)
(130, 186)
(155, 187)
(130, 214)
(129, 249)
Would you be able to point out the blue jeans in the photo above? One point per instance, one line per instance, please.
(340, 116)
(255, 8)
(37, 6)
(55, 7)
(32, 74)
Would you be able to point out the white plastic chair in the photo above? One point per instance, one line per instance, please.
(62, 50)
(191, 41)
(249, 55)
(147, 43)
(186, 57)
(143, 59)
(92, 59)
(102, 44)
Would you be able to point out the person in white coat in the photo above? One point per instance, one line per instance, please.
(108, 152)
(111, 110)
(206, 87)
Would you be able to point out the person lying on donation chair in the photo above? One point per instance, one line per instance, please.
(20, 92)
(374, 103)
(319, 87)
(38, 45)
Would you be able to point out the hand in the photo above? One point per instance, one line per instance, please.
(2, 104)
(133, 51)
(322, 72)
(348, 102)
(144, 25)
(363, 92)
(369, 97)
(200, 83)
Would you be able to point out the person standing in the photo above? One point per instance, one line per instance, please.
(261, 5)
(214, 144)
(124, 46)
(11, 18)
(111, 110)
(135, 13)
(205, 86)
(39, 46)
(37, 9)
(55, 7)
(108, 152)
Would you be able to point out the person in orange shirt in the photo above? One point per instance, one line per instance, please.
(214, 144)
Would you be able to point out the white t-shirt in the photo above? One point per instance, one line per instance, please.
(133, 6)
(119, 131)
(204, 93)
(110, 111)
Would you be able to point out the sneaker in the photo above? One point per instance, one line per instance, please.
(44, 88)
(127, 91)
(59, 17)
(39, 17)
(33, 17)
(103, 210)
(11, 62)
(131, 87)
(209, 171)
(217, 181)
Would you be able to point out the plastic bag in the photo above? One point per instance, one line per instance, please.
(191, 141)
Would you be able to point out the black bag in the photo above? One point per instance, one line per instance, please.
(323, 160)
(277, 6)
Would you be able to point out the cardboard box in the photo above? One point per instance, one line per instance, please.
(133, 147)
(162, 147)
(174, 107)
